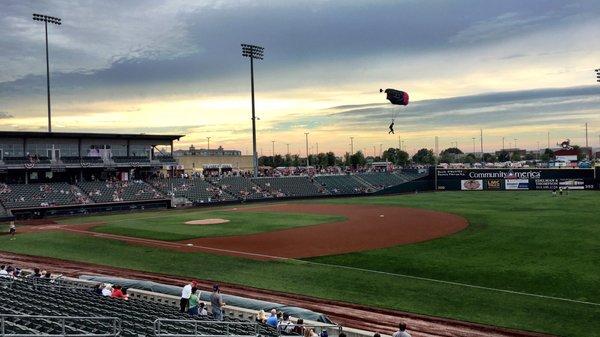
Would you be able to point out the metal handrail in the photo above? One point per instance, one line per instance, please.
(57, 283)
(158, 331)
(62, 320)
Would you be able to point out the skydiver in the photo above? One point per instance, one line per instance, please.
(391, 128)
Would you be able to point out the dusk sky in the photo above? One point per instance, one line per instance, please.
(517, 69)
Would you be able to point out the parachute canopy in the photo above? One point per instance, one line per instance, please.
(396, 96)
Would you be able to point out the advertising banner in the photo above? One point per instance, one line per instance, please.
(572, 184)
(516, 184)
(545, 184)
(533, 178)
(493, 184)
(471, 185)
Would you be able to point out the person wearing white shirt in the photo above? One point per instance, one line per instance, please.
(401, 331)
(186, 292)
(107, 291)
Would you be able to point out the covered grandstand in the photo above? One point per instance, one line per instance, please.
(62, 173)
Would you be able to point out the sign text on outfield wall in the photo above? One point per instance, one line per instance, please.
(514, 179)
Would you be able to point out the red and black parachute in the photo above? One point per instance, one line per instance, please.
(396, 96)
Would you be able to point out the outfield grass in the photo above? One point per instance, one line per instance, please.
(521, 241)
(170, 226)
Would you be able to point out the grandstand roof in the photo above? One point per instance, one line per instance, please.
(34, 134)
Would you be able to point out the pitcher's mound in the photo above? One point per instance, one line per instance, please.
(206, 222)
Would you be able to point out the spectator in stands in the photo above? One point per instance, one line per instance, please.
(107, 290)
(285, 326)
(272, 320)
(202, 310)
(261, 316)
(310, 332)
(3, 272)
(117, 292)
(36, 273)
(186, 292)
(401, 331)
(377, 334)
(299, 327)
(193, 303)
(216, 303)
(98, 289)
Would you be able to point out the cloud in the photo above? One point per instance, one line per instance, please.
(5, 115)
(501, 27)
(492, 110)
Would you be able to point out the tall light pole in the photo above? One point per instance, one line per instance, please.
(351, 145)
(515, 139)
(597, 75)
(208, 143)
(502, 143)
(273, 149)
(253, 52)
(317, 148)
(57, 21)
(307, 160)
(288, 148)
(586, 135)
(481, 141)
(473, 144)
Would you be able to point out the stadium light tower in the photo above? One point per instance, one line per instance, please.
(253, 52)
(597, 75)
(208, 143)
(57, 21)
(307, 156)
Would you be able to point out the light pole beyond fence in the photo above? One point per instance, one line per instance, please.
(56, 21)
(253, 52)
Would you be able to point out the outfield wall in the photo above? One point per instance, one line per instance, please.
(515, 179)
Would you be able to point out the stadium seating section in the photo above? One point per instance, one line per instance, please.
(242, 187)
(118, 191)
(81, 160)
(381, 179)
(196, 190)
(290, 186)
(343, 184)
(41, 195)
(166, 159)
(24, 297)
(25, 160)
(130, 159)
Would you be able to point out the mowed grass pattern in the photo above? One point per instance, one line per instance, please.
(171, 226)
(521, 241)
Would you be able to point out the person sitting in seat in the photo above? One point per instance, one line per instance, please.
(299, 327)
(118, 293)
(202, 310)
(261, 316)
(272, 320)
(285, 327)
(107, 290)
